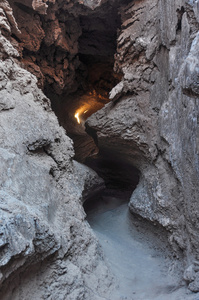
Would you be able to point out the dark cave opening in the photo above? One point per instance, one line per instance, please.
(96, 77)
(96, 49)
(119, 176)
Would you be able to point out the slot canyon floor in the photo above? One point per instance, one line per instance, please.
(137, 255)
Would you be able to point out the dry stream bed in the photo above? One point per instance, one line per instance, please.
(136, 251)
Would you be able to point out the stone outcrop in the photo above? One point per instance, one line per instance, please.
(47, 250)
(153, 117)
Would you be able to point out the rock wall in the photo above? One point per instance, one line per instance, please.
(152, 121)
(49, 39)
(153, 118)
(47, 250)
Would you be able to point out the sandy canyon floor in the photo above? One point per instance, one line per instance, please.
(138, 256)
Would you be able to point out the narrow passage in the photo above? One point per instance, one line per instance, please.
(136, 251)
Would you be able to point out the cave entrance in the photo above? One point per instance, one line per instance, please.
(94, 75)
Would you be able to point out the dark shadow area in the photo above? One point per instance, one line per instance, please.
(116, 172)
(94, 74)
(120, 179)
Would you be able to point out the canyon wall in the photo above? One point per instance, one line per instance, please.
(152, 119)
(47, 249)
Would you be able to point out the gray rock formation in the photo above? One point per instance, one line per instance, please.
(47, 249)
(153, 117)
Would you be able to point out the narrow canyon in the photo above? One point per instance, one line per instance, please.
(99, 149)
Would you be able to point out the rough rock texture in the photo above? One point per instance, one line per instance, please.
(153, 117)
(47, 250)
(152, 122)
(48, 39)
(47, 43)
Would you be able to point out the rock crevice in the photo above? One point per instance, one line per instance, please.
(149, 119)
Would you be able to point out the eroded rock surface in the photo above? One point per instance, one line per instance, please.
(47, 250)
(152, 121)
(153, 117)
